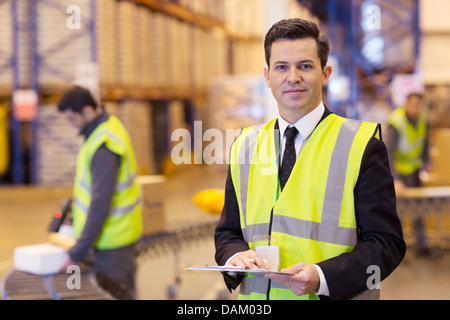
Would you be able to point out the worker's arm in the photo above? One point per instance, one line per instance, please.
(426, 158)
(104, 170)
(228, 234)
(391, 146)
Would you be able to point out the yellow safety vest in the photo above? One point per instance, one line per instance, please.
(411, 142)
(124, 223)
(314, 216)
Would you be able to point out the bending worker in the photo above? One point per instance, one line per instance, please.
(408, 149)
(318, 183)
(106, 210)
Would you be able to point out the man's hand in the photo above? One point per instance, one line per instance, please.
(66, 263)
(248, 259)
(304, 278)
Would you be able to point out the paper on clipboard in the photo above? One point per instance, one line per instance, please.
(254, 272)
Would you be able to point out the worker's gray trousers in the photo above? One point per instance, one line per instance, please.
(116, 272)
(413, 181)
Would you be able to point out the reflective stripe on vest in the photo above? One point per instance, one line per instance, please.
(322, 235)
(120, 186)
(114, 211)
(330, 213)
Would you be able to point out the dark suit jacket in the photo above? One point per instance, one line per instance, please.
(380, 233)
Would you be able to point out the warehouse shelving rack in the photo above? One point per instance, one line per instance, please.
(23, 22)
(43, 61)
(25, 75)
(400, 21)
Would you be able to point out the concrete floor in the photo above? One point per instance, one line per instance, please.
(25, 213)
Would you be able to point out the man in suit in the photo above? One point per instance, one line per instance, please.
(334, 215)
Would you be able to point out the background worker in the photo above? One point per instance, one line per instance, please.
(334, 215)
(408, 149)
(106, 210)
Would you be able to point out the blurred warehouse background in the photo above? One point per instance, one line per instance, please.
(162, 65)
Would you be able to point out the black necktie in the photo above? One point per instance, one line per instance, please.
(289, 156)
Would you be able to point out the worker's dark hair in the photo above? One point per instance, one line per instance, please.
(75, 99)
(414, 94)
(293, 29)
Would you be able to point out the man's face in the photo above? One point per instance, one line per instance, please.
(413, 107)
(75, 119)
(295, 77)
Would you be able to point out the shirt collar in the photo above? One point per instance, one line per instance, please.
(304, 125)
(91, 126)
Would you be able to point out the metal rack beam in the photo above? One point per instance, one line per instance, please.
(16, 132)
(26, 31)
(345, 21)
(45, 50)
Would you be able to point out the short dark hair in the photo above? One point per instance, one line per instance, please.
(76, 98)
(293, 29)
(414, 94)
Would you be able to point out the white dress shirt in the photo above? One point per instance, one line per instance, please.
(305, 127)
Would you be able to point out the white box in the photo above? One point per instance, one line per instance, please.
(40, 259)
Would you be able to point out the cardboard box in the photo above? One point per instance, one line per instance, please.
(40, 259)
(152, 202)
(440, 158)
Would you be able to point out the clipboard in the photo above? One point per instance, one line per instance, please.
(240, 270)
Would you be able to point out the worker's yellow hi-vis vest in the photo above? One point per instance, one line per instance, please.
(124, 223)
(314, 216)
(411, 142)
